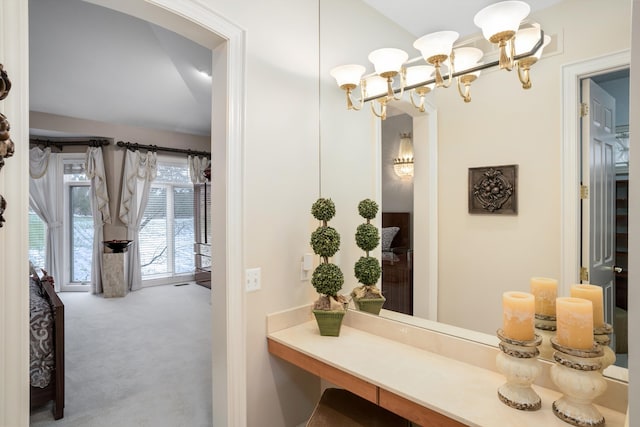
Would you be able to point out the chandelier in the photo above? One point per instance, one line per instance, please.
(395, 73)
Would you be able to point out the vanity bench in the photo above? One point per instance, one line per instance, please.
(429, 388)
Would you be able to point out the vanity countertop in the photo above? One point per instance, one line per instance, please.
(458, 390)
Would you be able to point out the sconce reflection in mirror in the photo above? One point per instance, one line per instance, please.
(6, 144)
(403, 164)
(519, 47)
(5, 83)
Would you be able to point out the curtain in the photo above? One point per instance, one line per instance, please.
(197, 166)
(94, 167)
(45, 201)
(139, 171)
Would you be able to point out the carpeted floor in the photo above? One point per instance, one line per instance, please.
(141, 360)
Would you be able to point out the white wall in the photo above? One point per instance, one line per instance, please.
(482, 256)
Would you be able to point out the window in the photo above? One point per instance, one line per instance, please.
(167, 228)
(37, 239)
(79, 224)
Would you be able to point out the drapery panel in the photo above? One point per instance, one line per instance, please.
(94, 167)
(44, 200)
(197, 166)
(139, 172)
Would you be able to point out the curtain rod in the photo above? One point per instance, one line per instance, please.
(59, 143)
(135, 146)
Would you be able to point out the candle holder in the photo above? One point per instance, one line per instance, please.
(546, 328)
(518, 362)
(578, 375)
(602, 336)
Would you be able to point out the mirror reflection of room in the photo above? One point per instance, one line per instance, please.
(397, 171)
(478, 256)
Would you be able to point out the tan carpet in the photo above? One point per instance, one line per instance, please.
(141, 360)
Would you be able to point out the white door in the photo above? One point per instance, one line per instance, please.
(598, 209)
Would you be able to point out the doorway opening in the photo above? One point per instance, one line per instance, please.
(604, 158)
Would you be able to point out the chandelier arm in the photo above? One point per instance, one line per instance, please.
(403, 82)
(383, 110)
(466, 92)
(524, 76)
(420, 104)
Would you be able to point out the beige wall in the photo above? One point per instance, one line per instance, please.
(281, 176)
(113, 155)
(482, 256)
(283, 161)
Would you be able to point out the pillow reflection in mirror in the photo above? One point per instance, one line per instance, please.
(388, 233)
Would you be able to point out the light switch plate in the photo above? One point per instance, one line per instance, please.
(252, 279)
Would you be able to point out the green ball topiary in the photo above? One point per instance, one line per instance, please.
(323, 209)
(368, 209)
(367, 237)
(367, 270)
(327, 279)
(325, 241)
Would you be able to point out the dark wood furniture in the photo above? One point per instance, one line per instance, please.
(202, 245)
(55, 390)
(622, 240)
(620, 322)
(397, 266)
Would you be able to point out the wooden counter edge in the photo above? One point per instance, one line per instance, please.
(336, 376)
(414, 412)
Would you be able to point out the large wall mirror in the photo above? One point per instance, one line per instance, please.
(461, 263)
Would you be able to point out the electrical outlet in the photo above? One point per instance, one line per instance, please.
(305, 275)
(252, 279)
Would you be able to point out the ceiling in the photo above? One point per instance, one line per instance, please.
(90, 62)
(421, 17)
(94, 63)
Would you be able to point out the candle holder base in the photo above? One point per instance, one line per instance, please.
(602, 336)
(518, 362)
(578, 375)
(546, 328)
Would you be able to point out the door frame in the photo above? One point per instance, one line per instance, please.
(228, 303)
(572, 74)
(570, 227)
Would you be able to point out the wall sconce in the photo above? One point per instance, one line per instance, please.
(500, 24)
(403, 164)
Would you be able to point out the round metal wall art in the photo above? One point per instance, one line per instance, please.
(6, 144)
(5, 83)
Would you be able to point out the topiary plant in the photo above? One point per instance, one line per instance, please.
(367, 269)
(327, 278)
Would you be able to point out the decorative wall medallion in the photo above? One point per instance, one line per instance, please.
(6, 144)
(5, 83)
(3, 206)
(493, 190)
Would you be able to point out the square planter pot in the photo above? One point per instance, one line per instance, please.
(370, 305)
(329, 321)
